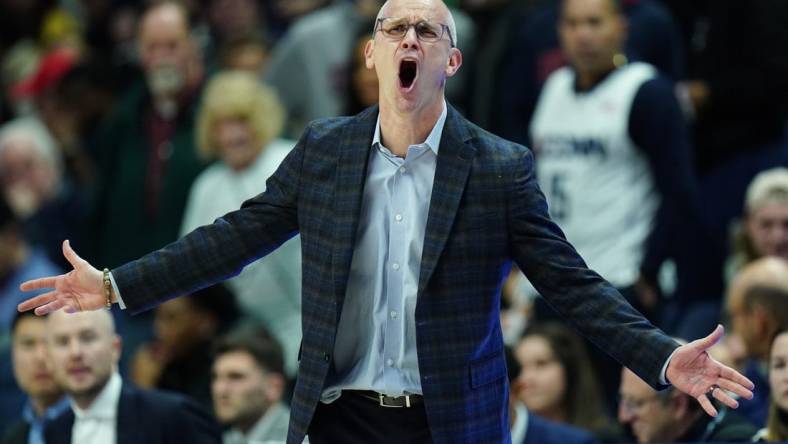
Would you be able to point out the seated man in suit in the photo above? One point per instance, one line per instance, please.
(672, 416)
(248, 387)
(104, 410)
(33, 374)
(757, 305)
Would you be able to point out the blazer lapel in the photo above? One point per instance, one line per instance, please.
(354, 147)
(129, 429)
(455, 158)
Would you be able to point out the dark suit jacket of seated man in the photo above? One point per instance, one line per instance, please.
(148, 417)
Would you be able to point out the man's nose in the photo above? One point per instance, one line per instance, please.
(411, 39)
(624, 415)
(74, 349)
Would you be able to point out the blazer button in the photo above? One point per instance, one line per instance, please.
(327, 357)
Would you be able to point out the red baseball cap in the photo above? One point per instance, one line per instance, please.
(51, 68)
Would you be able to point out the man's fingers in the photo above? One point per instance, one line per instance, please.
(71, 256)
(707, 342)
(735, 388)
(38, 284)
(732, 375)
(706, 404)
(37, 301)
(723, 397)
(45, 309)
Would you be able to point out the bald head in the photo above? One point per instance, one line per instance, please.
(85, 351)
(764, 272)
(167, 14)
(757, 303)
(101, 319)
(438, 11)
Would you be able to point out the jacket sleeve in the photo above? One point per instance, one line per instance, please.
(191, 424)
(584, 298)
(215, 252)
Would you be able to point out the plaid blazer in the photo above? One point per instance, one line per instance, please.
(486, 210)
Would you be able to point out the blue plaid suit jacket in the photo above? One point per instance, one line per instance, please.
(486, 210)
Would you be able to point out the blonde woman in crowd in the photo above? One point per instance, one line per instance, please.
(763, 230)
(238, 126)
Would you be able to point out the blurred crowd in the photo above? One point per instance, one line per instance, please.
(658, 128)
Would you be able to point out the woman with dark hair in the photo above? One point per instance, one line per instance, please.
(777, 425)
(558, 381)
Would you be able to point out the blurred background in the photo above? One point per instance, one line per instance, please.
(125, 124)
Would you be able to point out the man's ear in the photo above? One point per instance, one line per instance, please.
(454, 62)
(369, 50)
(274, 387)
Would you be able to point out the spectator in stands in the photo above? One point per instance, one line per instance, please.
(557, 381)
(614, 162)
(238, 125)
(105, 409)
(535, 53)
(70, 97)
(248, 386)
(50, 205)
(245, 54)
(179, 358)
(232, 21)
(528, 428)
(777, 427)
(763, 230)
(147, 159)
(672, 416)
(757, 306)
(18, 262)
(40, 91)
(33, 373)
(146, 156)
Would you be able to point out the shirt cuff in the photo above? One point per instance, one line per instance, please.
(663, 375)
(120, 300)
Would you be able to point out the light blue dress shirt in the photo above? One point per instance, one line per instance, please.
(375, 347)
(38, 423)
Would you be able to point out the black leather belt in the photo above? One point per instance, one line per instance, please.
(389, 401)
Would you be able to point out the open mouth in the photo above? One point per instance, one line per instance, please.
(407, 73)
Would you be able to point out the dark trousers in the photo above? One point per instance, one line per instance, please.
(354, 419)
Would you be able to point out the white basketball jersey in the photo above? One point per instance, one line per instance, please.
(598, 184)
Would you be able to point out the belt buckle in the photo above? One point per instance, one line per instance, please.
(381, 398)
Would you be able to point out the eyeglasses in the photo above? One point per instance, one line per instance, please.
(632, 406)
(396, 28)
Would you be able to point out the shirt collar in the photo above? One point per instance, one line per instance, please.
(51, 412)
(105, 406)
(433, 140)
(265, 422)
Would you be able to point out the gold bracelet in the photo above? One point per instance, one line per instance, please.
(108, 288)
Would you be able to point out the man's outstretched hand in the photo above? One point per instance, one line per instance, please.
(694, 372)
(78, 290)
